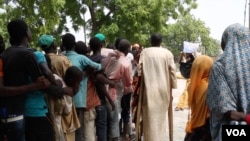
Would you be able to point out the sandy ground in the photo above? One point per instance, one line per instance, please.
(179, 117)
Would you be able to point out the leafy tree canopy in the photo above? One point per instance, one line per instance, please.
(133, 19)
(188, 28)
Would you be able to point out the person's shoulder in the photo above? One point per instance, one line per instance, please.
(39, 53)
(74, 54)
(106, 51)
(130, 55)
(155, 49)
(124, 61)
(164, 49)
(62, 56)
(83, 58)
(167, 50)
(28, 52)
(96, 58)
(25, 50)
(158, 50)
(19, 49)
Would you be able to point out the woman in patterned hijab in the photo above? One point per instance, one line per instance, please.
(228, 95)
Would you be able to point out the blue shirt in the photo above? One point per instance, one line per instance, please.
(35, 105)
(81, 62)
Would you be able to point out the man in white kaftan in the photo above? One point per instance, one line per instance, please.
(158, 78)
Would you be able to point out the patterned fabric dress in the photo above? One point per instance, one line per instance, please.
(229, 82)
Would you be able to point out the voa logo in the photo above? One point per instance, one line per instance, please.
(236, 132)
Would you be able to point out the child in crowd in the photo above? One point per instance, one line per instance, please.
(65, 107)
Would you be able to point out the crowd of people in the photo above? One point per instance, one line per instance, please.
(217, 89)
(98, 91)
(78, 91)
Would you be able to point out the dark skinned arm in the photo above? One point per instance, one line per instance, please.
(102, 87)
(40, 83)
(102, 81)
(235, 115)
(56, 87)
(48, 74)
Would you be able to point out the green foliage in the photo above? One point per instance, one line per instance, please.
(187, 28)
(135, 20)
(42, 16)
